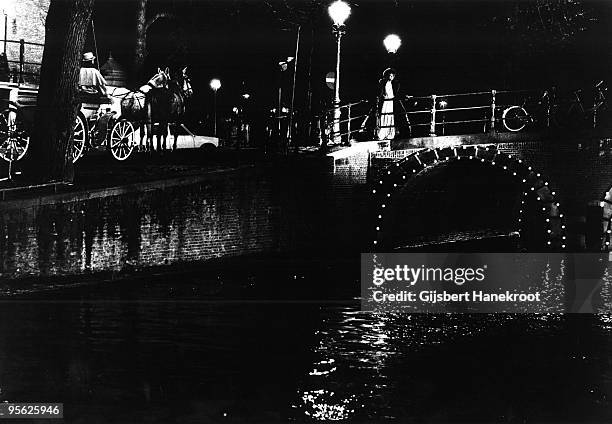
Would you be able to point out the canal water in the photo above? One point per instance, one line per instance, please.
(267, 342)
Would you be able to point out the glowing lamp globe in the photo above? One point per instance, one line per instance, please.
(215, 84)
(339, 11)
(392, 43)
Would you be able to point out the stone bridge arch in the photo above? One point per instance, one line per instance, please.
(533, 185)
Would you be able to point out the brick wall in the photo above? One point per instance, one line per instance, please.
(267, 209)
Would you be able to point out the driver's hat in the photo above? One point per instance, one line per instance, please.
(87, 57)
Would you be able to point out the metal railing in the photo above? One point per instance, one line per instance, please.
(22, 70)
(337, 131)
(433, 115)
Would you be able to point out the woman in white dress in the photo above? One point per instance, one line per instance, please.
(386, 120)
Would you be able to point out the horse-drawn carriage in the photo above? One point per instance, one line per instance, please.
(109, 123)
(17, 122)
(101, 125)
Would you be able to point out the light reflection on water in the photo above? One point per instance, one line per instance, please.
(370, 366)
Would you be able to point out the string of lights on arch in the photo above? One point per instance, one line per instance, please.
(399, 173)
(606, 204)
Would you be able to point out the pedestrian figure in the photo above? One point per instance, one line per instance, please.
(388, 88)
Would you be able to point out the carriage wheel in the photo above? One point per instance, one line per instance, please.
(80, 138)
(122, 139)
(14, 137)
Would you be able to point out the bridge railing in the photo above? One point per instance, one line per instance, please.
(22, 62)
(433, 115)
(480, 111)
(340, 124)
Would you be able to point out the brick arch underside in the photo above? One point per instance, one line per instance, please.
(400, 173)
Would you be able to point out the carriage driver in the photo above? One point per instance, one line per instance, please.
(93, 94)
(91, 81)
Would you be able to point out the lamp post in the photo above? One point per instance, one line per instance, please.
(215, 85)
(295, 63)
(392, 43)
(339, 11)
(245, 125)
(283, 66)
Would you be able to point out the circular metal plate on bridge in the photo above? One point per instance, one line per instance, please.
(330, 80)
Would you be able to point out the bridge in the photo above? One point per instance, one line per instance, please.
(550, 189)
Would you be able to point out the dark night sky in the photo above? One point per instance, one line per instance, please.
(448, 46)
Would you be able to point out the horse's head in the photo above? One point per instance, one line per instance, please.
(186, 83)
(160, 79)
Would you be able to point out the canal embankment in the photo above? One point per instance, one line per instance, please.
(175, 211)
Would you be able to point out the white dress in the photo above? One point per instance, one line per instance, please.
(386, 127)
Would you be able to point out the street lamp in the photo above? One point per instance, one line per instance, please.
(392, 43)
(215, 85)
(339, 11)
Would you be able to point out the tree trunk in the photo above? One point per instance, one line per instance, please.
(50, 155)
(140, 50)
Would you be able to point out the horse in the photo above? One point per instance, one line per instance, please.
(167, 107)
(133, 105)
